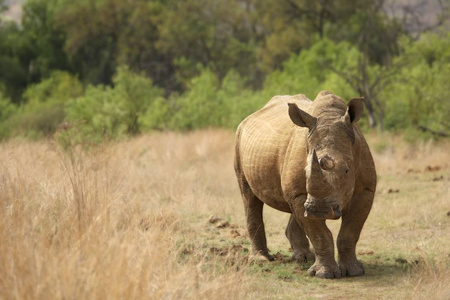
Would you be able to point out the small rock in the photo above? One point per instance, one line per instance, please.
(401, 261)
(144, 224)
(368, 252)
(438, 178)
(222, 224)
(214, 219)
(448, 214)
(218, 251)
(432, 168)
(234, 233)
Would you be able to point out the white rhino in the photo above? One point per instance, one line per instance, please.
(311, 160)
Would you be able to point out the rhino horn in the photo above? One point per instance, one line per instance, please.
(317, 184)
(315, 165)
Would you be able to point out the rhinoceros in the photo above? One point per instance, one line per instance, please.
(309, 159)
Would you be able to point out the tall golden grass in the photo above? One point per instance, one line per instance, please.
(130, 219)
(111, 222)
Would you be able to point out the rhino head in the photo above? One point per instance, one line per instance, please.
(331, 161)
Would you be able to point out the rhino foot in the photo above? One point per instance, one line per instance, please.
(351, 268)
(260, 257)
(322, 271)
(303, 257)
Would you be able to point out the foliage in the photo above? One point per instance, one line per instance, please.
(305, 72)
(7, 109)
(43, 109)
(199, 107)
(104, 112)
(30, 52)
(13, 50)
(213, 103)
(133, 66)
(57, 89)
(134, 93)
(418, 100)
(208, 33)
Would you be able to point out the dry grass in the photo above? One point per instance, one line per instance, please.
(130, 220)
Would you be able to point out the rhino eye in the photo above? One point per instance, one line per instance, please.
(346, 171)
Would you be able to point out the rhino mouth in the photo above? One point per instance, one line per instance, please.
(320, 209)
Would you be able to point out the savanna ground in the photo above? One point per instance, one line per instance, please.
(132, 220)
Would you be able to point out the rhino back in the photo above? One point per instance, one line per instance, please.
(263, 139)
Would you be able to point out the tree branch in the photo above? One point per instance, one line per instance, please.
(434, 132)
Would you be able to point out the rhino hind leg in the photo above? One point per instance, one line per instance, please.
(352, 224)
(299, 241)
(255, 224)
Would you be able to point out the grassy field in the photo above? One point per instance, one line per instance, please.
(160, 217)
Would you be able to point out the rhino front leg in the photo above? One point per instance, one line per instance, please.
(255, 224)
(320, 236)
(352, 224)
(322, 240)
(256, 230)
(299, 241)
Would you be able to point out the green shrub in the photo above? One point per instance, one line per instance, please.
(134, 94)
(307, 72)
(43, 108)
(418, 101)
(199, 107)
(37, 121)
(110, 112)
(158, 115)
(7, 109)
(237, 101)
(213, 103)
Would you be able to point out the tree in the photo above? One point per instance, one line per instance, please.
(207, 33)
(15, 55)
(42, 110)
(92, 29)
(419, 99)
(103, 35)
(376, 39)
(137, 43)
(105, 112)
(30, 52)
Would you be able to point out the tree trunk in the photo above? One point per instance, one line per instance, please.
(370, 112)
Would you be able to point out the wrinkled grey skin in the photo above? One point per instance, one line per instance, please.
(308, 159)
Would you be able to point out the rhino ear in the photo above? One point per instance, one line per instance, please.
(301, 118)
(355, 110)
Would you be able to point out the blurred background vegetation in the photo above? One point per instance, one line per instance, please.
(104, 69)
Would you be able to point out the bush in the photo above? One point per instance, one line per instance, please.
(42, 110)
(199, 106)
(307, 73)
(213, 103)
(7, 109)
(237, 101)
(158, 115)
(134, 94)
(419, 98)
(110, 112)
